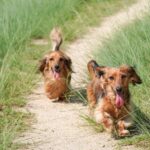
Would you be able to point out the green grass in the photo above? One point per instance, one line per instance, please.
(131, 46)
(23, 20)
(91, 122)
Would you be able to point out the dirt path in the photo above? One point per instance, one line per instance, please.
(58, 126)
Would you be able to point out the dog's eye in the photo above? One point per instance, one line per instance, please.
(123, 76)
(51, 59)
(111, 78)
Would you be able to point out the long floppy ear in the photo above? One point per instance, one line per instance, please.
(99, 72)
(92, 65)
(134, 78)
(94, 69)
(68, 63)
(42, 64)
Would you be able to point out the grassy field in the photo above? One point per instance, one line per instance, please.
(23, 20)
(131, 46)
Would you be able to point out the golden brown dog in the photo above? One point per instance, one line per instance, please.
(109, 96)
(56, 69)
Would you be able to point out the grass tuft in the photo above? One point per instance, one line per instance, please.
(91, 122)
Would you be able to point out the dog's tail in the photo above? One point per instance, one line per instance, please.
(92, 65)
(56, 38)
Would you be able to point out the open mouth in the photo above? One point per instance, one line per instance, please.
(56, 73)
(119, 100)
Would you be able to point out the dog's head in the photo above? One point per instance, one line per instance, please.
(116, 79)
(119, 79)
(56, 64)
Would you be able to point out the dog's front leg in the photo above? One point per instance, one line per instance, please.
(122, 126)
(105, 119)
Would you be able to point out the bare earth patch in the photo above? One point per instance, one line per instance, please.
(58, 126)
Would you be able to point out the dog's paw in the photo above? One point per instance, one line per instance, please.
(123, 133)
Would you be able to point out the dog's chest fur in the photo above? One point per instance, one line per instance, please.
(107, 104)
(56, 88)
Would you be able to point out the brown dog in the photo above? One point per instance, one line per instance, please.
(56, 69)
(109, 96)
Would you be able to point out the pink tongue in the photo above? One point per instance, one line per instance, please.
(56, 75)
(119, 101)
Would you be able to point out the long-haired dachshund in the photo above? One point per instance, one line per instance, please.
(109, 96)
(56, 68)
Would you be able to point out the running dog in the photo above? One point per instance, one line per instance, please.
(109, 96)
(56, 68)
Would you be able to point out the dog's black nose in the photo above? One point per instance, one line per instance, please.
(57, 67)
(119, 89)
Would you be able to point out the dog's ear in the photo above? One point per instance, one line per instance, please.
(95, 70)
(68, 63)
(42, 64)
(133, 76)
(99, 72)
(92, 65)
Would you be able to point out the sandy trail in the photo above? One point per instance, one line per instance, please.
(58, 126)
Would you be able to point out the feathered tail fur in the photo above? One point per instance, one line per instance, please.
(56, 38)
